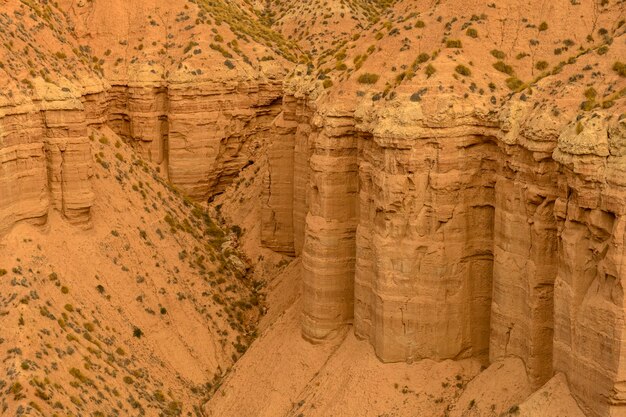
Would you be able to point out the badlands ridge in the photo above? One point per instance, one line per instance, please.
(314, 208)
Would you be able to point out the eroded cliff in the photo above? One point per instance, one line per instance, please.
(448, 224)
(450, 179)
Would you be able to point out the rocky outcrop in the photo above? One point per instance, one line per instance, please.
(201, 134)
(285, 192)
(499, 388)
(329, 236)
(552, 400)
(589, 308)
(45, 162)
(447, 231)
(197, 109)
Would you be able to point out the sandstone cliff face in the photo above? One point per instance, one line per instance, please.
(46, 163)
(201, 134)
(199, 117)
(447, 230)
(441, 224)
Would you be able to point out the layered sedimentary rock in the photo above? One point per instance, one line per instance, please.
(278, 190)
(201, 134)
(426, 209)
(589, 306)
(285, 192)
(465, 233)
(156, 73)
(525, 245)
(45, 163)
(329, 236)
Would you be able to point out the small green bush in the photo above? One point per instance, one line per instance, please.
(463, 70)
(502, 67)
(579, 128)
(430, 70)
(472, 33)
(137, 332)
(620, 68)
(368, 78)
(454, 43)
(423, 57)
(514, 83)
(498, 54)
(591, 93)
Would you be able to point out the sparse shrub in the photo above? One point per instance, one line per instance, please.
(463, 70)
(417, 96)
(423, 57)
(368, 78)
(216, 47)
(590, 93)
(587, 105)
(514, 83)
(472, 33)
(502, 67)
(620, 68)
(454, 43)
(236, 230)
(430, 70)
(543, 27)
(137, 332)
(541, 65)
(498, 54)
(579, 128)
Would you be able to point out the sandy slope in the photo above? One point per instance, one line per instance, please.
(134, 313)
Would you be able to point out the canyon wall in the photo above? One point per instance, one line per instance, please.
(45, 162)
(462, 232)
(201, 136)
